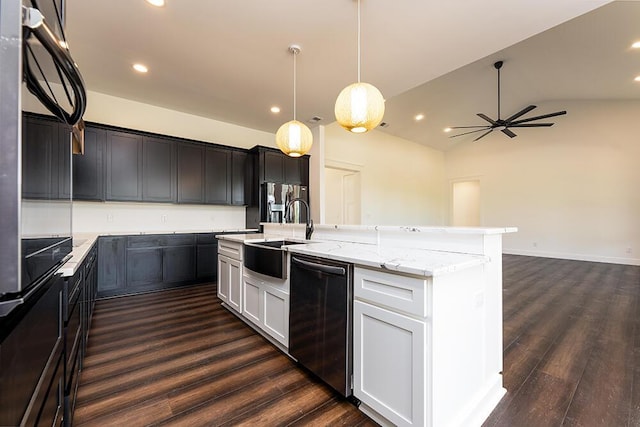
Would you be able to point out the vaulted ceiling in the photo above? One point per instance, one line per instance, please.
(228, 60)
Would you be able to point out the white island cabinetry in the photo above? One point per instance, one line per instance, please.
(420, 348)
(230, 274)
(267, 304)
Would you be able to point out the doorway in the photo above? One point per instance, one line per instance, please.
(342, 196)
(465, 203)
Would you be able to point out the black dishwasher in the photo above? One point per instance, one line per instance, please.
(321, 319)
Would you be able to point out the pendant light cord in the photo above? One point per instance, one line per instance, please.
(294, 84)
(358, 41)
(498, 93)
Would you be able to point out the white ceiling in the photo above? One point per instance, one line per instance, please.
(228, 59)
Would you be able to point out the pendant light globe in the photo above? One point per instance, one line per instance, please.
(359, 106)
(294, 138)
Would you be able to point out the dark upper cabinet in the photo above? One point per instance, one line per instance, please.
(46, 144)
(293, 169)
(159, 170)
(88, 168)
(217, 176)
(238, 177)
(191, 173)
(273, 166)
(124, 166)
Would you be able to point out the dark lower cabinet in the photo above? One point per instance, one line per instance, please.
(111, 265)
(144, 267)
(206, 262)
(78, 299)
(179, 264)
(31, 359)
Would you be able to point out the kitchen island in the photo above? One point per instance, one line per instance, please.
(427, 322)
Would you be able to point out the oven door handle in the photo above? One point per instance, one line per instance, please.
(34, 22)
(330, 269)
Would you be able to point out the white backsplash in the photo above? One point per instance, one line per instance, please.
(117, 217)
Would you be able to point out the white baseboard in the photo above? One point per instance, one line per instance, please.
(571, 256)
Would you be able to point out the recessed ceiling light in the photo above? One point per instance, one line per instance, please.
(275, 109)
(140, 68)
(419, 117)
(447, 130)
(157, 3)
(637, 78)
(636, 45)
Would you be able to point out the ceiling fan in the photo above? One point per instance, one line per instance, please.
(505, 125)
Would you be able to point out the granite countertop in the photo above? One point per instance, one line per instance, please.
(420, 262)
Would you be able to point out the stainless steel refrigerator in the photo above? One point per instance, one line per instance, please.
(274, 201)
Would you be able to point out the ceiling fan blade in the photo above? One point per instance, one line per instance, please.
(520, 113)
(531, 125)
(467, 133)
(544, 116)
(508, 133)
(483, 135)
(484, 116)
(468, 127)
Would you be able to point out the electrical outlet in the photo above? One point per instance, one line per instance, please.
(163, 218)
(109, 217)
(629, 250)
(535, 244)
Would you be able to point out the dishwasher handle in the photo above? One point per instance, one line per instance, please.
(330, 269)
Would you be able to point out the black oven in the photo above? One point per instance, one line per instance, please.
(35, 229)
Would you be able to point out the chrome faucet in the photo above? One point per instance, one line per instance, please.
(309, 225)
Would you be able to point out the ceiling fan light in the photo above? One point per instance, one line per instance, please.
(359, 107)
(294, 138)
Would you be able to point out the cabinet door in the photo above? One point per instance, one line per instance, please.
(217, 176)
(292, 170)
(190, 173)
(238, 172)
(124, 166)
(206, 262)
(88, 169)
(273, 167)
(251, 296)
(111, 263)
(235, 285)
(389, 364)
(179, 264)
(144, 266)
(159, 182)
(223, 278)
(276, 314)
(39, 154)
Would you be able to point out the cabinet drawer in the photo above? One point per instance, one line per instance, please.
(206, 238)
(403, 293)
(231, 249)
(145, 241)
(179, 240)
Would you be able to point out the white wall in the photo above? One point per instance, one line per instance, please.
(402, 182)
(148, 217)
(572, 190)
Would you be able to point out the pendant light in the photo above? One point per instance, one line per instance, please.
(360, 106)
(294, 138)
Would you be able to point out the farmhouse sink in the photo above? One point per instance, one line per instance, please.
(268, 257)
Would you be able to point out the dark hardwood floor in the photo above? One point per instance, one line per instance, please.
(571, 357)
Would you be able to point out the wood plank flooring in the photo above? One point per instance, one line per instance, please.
(178, 358)
(571, 357)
